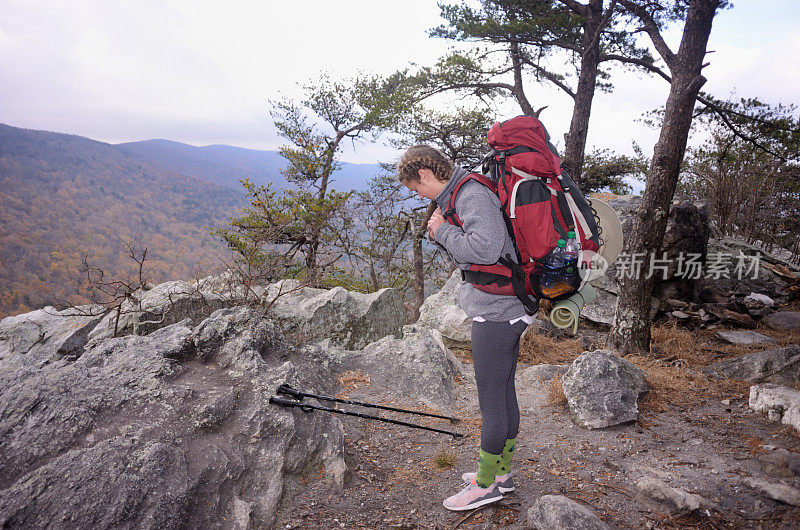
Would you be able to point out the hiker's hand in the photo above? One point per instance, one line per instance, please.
(433, 223)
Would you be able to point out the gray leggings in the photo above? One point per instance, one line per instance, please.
(495, 348)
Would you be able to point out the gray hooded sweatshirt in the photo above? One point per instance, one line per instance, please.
(482, 239)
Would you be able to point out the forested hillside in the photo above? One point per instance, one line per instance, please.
(63, 195)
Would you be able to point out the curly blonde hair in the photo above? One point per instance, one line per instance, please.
(419, 157)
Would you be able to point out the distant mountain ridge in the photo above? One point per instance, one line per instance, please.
(225, 164)
(64, 195)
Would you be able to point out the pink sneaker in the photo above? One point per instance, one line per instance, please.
(505, 483)
(473, 496)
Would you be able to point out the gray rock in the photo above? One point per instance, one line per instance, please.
(784, 320)
(351, 320)
(162, 305)
(672, 500)
(780, 463)
(765, 282)
(757, 301)
(442, 312)
(780, 366)
(687, 229)
(778, 492)
(601, 311)
(729, 316)
(778, 402)
(47, 335)
(603, 390)
(542, 373)
(678, 304)
(745, 337)
(418, 367)
(169, 430)
(557, 512)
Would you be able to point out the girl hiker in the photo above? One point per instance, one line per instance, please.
(497, 320)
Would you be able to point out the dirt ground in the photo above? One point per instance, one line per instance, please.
(694, 433)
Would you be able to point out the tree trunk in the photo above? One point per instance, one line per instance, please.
(419, 265)
(518, 91)
(631, 327)
(419, 280)
(587, 81)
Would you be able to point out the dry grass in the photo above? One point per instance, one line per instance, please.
(444, 459)
(536, 348)
(555, 392)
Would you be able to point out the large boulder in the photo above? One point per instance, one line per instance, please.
(417, 367)
(778, 402)
(603, 390)
(169, 430)
(687, 229)
(687, 233)
(557, 512)
(442, 312)
(47, 335)
(348, 319)
(779, 365)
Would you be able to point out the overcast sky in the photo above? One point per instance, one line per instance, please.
(202, 72)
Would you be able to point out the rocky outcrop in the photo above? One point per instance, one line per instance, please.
(557, 512)
(778, 402)
(349, 319)
(737, 297)
(48, 335)
(687, 232)
(417, 367)
(780, 366)
(603, 390)
(442, 312)
(169, 430)
(155, 307)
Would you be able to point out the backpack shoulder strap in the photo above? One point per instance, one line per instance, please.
(450, 212)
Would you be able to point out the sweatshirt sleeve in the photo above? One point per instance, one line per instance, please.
(479, 239)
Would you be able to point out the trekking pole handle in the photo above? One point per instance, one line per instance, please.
(286, 390)
(274, 400)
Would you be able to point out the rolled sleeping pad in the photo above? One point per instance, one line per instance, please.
(566, 312)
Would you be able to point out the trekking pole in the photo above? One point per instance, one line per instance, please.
(289, 391)
(305, 407)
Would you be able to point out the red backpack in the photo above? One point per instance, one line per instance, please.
(541, 204)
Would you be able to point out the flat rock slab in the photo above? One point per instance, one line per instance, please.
(557, 512)
(779, 366)
(785, 320)
(779, 402)
(778, 492)
(666, 498)
(745, 337)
